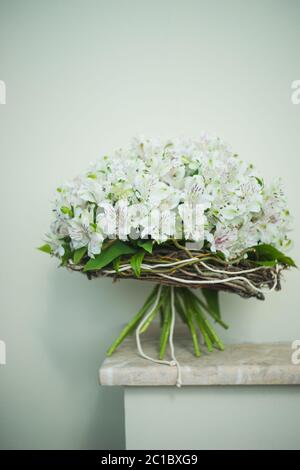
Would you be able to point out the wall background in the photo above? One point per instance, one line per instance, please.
(83, 77)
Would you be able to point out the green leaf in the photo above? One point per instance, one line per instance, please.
(212, 299)
(45, 249)
(147, 245)
(220, 255)
(107, 256)
(260, 181)
(79, 254)
(67, 211)
(136, 262)
(67, 254)
(266, 252)
(266, 263)
(116, 263)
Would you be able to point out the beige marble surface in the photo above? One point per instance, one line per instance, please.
(239, 364)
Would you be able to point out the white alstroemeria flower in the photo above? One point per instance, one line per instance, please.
(67, 194)
(95, 243)
(59, 227)
(91, 191)
(250, 196)
(175, 176)
(249, 235)
(55, 243)
(225, 239)
(84, 232)
(106, 219)
(195, 191)
(122, 189)
(79, 233)
(159, 191)
(230, 212)
(159, 167)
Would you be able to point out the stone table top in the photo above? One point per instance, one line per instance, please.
(239, 364)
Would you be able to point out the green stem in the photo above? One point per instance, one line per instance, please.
(189, 317)
(179, 308)
(191, 309)
(154, 313)
(205, 326)
(161, 317)
(201, 324)
(214, 335)
(209, 311)
(130, 326)
(165, 332)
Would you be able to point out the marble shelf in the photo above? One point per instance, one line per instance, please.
(239, 364)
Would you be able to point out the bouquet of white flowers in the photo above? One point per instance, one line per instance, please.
(183, 214)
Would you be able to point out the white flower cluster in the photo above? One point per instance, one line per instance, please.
(164, 177)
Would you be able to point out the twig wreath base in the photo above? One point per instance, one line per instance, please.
(182, 268)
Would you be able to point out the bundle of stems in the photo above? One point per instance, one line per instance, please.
(192, 309)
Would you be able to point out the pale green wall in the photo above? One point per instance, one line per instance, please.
(83, 77)
(231, 417)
